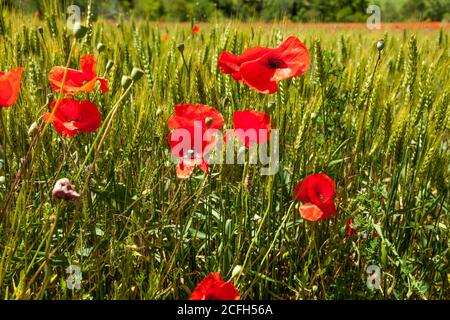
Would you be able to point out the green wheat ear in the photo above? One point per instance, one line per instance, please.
(199, 92)
(411, 69)
(396, 139)
(319, 72)
(89, 18)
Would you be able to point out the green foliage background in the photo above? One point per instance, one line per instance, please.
(264, 10)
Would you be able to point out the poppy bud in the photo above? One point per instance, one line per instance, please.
(180, 47)
(109, 65)
(33, 129)
(126, 81)
(63, 189)
(136, 74)
(101, 47)
(158, 112)
(208, 121)
(79, 31)
(380, 45)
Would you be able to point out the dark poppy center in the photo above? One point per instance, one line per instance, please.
(212, 296)
(274, 63)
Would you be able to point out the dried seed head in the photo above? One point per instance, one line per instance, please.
(63, 189)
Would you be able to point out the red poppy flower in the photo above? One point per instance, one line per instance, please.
(214, 288)
(72, 117)
(165, 37)
(76, 80)
(9, 87)
(251, 127)
(316, 192)
(37, 14)
(195, 29)
(192, 136)
(261, 68)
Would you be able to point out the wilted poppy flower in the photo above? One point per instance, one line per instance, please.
(192, 136)
(316, 192)
(63, 189)
(214, 288)
(72, 117)
(9, 87)
(78, 80)
(261, 68)
(251, 127)
(195, 29)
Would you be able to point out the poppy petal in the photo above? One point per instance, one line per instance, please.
(258, 76)
(184, 171)
(310, 212)
(10, 87)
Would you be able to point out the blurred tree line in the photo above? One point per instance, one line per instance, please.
(261, 10)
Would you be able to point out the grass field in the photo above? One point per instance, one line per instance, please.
(378, 128)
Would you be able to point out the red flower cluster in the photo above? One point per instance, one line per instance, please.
(214, 288)
(193, 133)
(316, 192)
(9, 87)
(261, 68)
(71, 116)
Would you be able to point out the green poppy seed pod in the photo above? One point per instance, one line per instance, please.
(126, 81)
(101, 47)
(208, 121)
(136, 74)
(2, 179)
(79, 31)
(40, 30)
(380, 45)
(180, 47)
(109, 65)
